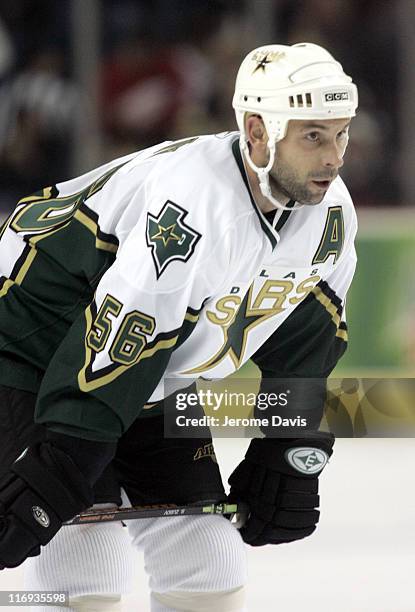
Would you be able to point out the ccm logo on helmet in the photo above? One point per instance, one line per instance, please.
(337, 96)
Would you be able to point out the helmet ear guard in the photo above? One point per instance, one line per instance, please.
(281, 83)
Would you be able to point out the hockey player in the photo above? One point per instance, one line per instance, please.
(179, 261)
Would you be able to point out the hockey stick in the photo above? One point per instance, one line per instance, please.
(236, 511)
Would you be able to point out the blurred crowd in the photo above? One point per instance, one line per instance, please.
(167, 69)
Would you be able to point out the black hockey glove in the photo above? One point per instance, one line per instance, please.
(278, 479)
(43, 489)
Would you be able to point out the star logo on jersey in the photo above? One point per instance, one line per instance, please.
(236, 333)
(169, 237)
(165, 234)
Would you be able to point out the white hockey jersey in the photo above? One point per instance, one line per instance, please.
(190, 279)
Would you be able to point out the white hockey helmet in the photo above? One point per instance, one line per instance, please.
(282, 82)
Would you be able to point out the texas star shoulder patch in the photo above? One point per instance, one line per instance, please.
(169, 237)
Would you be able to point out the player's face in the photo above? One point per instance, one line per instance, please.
(308, 159)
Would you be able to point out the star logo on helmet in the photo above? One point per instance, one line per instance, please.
(263, 58)
(261, 63)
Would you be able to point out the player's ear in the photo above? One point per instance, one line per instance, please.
(255, 130)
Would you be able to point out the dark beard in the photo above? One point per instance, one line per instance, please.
(291, 188)
(294, 191)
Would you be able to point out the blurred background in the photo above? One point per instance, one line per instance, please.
(84, 81)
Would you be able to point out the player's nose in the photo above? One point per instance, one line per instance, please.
(333, 156)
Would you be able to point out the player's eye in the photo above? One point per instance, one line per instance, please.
(312, 136)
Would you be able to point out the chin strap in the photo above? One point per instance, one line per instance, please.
(263, 175)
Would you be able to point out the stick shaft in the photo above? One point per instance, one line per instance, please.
(152, 511)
